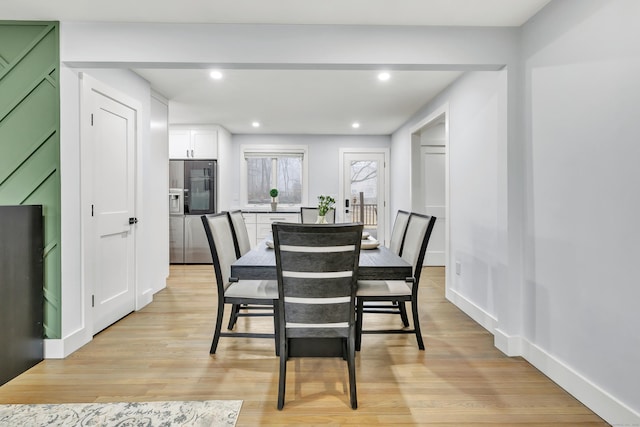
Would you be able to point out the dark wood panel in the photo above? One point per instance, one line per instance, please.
(21, 290)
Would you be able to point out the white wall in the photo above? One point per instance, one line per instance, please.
(227, 171)
(324, 159)
(573, 158)
(156, 185)
(477, 122)
(582, 62)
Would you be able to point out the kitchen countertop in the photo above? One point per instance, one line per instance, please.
(296, 211)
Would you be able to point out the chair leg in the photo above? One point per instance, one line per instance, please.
(403, 312)
(416, 322)
(283, 374)
(235, 309)
(359, 309)
(351, 364)
(216, 334)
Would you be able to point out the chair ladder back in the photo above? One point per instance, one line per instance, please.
(309, 215)
(317, 268)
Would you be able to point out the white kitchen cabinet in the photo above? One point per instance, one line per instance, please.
(193, 143)
(250, 222)
(259, 223)
(264, 221)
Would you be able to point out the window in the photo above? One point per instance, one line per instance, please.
(264, 168)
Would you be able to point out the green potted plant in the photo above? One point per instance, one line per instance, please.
(324, 204)
(274, 198)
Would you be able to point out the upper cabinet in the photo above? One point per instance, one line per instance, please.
(193, 142)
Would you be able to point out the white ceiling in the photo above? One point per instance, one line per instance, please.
(290, 101)
(298, 101)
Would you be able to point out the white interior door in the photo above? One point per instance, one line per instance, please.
(111, 142)
(364, 173)
(434, 187)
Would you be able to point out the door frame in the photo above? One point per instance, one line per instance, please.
(87, 229)
(440, 113)
(340, 202)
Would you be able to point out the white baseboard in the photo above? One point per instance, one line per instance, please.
(61, 348)
(482, 317)
(509, 345)
(595, 398)
(145, 298)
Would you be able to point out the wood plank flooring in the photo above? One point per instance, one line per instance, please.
(162, 353)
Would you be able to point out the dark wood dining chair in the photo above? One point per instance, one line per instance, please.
(231, 290)
(317, 267)
(242, 245)
(417, 236)
(309, 215)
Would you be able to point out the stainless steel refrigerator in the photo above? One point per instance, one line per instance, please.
(192, 193)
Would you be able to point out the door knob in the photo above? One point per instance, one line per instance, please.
(133, 221)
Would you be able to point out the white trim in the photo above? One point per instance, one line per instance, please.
(508, 344)
(61, 348)
(159, 97)
(483, 318)
(591, 395)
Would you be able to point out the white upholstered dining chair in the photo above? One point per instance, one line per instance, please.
(242, 245)
(418, 232)
(230, 290)
(395, 245)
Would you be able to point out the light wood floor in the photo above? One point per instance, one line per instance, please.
(162, 353)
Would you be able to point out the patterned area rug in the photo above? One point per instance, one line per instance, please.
(125, 414)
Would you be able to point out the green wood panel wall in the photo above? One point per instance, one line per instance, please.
(30, 139)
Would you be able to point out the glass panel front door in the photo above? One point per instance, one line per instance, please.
(364, 188)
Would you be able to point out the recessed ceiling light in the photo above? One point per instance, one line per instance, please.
(355, 125)
(215, 74)
(255, 124)
(384, 76)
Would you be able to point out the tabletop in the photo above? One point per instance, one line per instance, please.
(375, 264)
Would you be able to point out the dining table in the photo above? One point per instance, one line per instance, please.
(375, 263)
